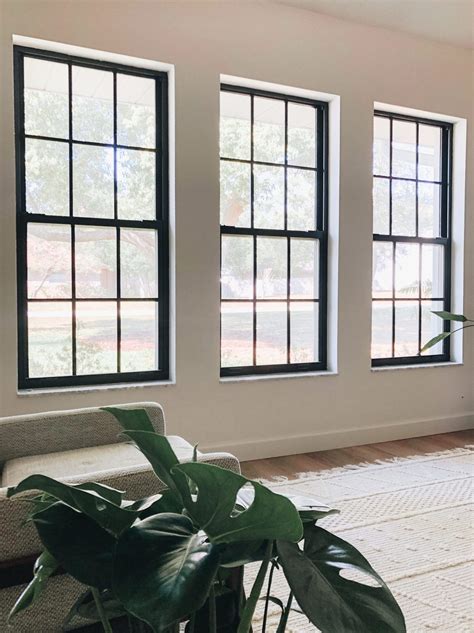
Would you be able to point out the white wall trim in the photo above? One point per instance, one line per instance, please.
(296, 444)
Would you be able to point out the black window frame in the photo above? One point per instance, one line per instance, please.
(320, 233)
(445, 239)
(160, 223)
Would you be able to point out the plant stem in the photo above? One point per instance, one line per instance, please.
(284, 616)
(267, 601)
(247, 613)
(100, 610)
(212, 610)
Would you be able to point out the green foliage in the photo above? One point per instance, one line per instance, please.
(269, 516)
(449, 316)
(78, 543)
(342, 604)
(446, 316)
(96, 506)
(163, 569)
(163, 559)
(43, 568)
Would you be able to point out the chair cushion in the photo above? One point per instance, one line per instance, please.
(85, 461)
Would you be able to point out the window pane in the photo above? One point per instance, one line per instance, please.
(431, 325)
(92, 105)
(237, 267)
(272, 274)
(235, 194)
(301, 135)
(236, 334)
(96, 262)
(407, 267)
(381, 146)
(96, 337)
(269, 130)
(429, 152)
(139, 263)
(46, 177)
(432, 271)
(46, 98)
(269, 201)
(49, 339)
(235, 125)
(301, 199)
(49, 261)
(136, 185)
(136, 125)
(429, 212)
(139, 336)
(382, 276)
(304, 332)
(404, 149)
(304, 267)
(93, 178)
(381, 201)
(403, 207)
(271, 333)
(381, 329)
(406, 328)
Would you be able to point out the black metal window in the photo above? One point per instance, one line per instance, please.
(412, 238)
(273, 161)
(92, 221)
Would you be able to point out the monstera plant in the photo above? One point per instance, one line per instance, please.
(164, 562)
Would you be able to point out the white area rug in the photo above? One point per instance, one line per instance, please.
(413, 519)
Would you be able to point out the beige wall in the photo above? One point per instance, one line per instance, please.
(295, 48)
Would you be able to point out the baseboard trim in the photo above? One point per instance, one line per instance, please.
(308, 443)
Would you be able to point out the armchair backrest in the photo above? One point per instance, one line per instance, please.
(40, 433)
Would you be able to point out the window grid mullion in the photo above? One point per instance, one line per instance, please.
(393, 296)
(288, 302)
(419, 296)
(252, 224)
(73, 229)
(56, 139)
(288, 251)
(117, 232)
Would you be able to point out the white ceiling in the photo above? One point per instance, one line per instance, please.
(450, 21)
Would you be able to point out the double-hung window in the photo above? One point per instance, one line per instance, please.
(273, 210)
(92, 221)
(412, 238)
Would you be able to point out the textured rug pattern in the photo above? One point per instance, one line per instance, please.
(413, 519)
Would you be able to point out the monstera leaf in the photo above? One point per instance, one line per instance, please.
(164, 502)
(334, 603)
(226, 517)
(161, 456)
(87, 498)
(44, 567)
(86, 607)
(77, 543)
(163, 569)
(131, 419)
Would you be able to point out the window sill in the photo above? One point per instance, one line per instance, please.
(91, 388)
(294, 375)
(417, 366)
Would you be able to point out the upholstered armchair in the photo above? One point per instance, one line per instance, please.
(74, 446)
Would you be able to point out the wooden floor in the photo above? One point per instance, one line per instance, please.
(291, 465)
